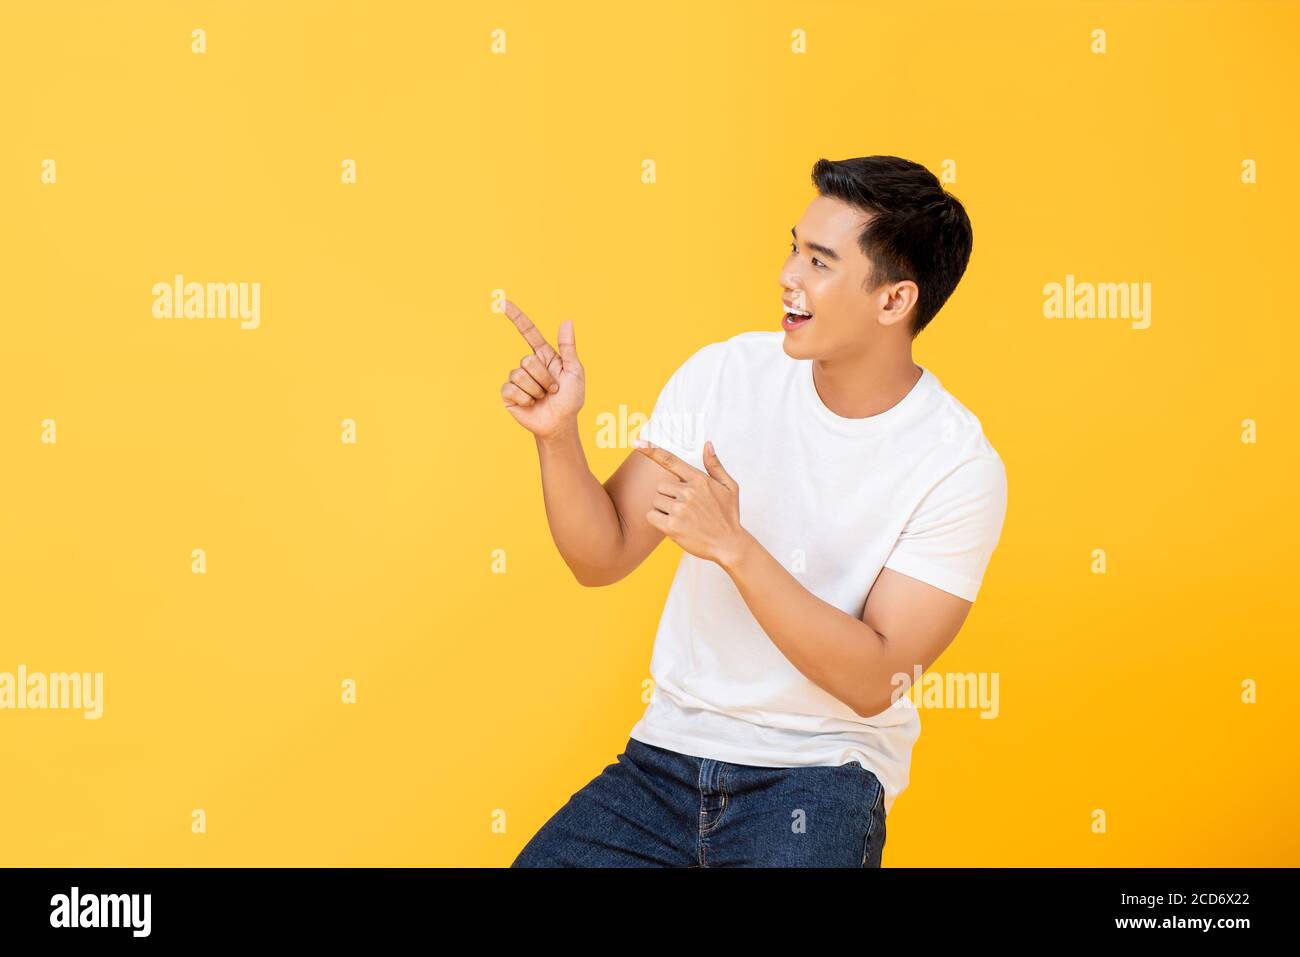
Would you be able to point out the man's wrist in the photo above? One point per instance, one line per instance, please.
(740, 555)
(560, 437)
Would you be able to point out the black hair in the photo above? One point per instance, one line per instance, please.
(918, 231)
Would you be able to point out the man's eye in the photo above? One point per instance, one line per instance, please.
(816, 261)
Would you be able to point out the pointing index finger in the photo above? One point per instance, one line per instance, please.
(663, 457)
(532, 335)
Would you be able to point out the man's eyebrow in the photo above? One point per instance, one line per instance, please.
(817, 248)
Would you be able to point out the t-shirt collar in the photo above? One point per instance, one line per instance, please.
(896, 413)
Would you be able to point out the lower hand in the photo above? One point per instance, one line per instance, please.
(700, 511)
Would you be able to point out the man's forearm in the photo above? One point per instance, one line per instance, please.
(585, 525)
(841, 654)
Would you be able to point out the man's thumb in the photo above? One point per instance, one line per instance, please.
(564, 340)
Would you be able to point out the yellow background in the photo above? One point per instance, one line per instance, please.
(479, 692)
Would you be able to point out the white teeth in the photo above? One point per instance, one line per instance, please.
(797, 312)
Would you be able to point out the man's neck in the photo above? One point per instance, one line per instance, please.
(864, 385)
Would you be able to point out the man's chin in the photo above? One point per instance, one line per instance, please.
(798, 347)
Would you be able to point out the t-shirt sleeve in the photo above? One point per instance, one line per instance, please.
(950, 537)
(680, 417)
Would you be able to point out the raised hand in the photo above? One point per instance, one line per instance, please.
(546, 390)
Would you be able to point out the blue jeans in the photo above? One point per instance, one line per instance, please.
(658, 808)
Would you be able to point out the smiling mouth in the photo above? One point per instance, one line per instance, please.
(793, 320)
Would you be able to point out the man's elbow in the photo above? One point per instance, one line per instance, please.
(595, 578)
(598, 575)
(869, 710)
(870, 707)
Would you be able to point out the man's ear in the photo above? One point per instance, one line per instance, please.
(899, 298)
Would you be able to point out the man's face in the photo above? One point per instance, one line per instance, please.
(826, 274)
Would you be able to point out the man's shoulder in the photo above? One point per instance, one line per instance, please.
(757, 347)
(956, 424)
(753, 341)
(758, 338)
(757, 344)
(742, 349)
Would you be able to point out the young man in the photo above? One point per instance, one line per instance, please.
(837, 507)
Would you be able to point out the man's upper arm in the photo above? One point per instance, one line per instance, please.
(677, 424)
(925, 590)
(950, 536)
(632, 489)
(917, 620)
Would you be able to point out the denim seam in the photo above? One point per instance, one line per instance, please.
(722, 786)
(699, 840)
(871, 820)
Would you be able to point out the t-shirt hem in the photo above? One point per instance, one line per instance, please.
(724, 752)
(685, 745)
(952, 582)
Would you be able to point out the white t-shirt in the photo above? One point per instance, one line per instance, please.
(916, 488)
